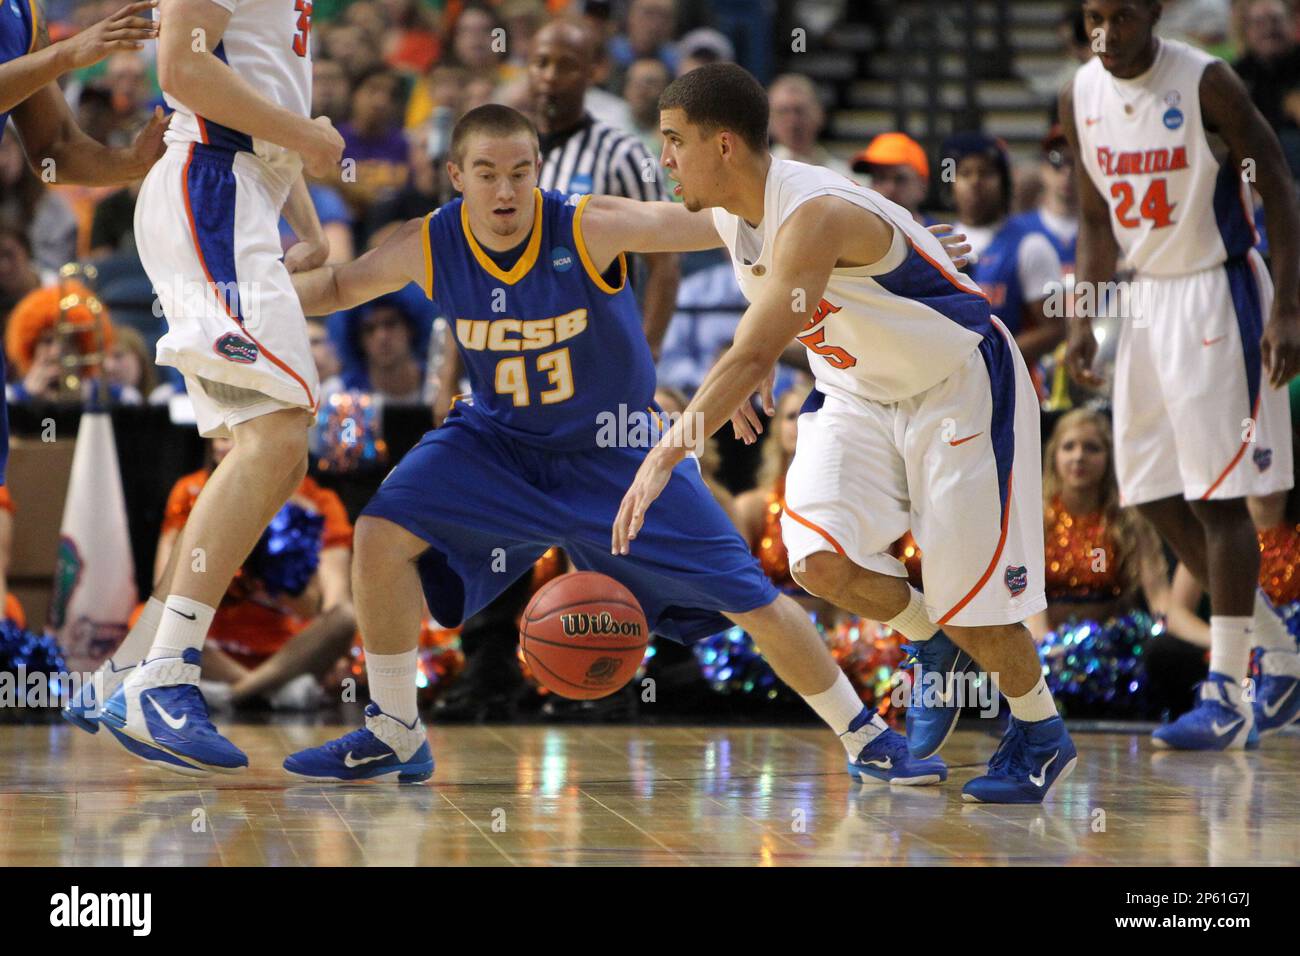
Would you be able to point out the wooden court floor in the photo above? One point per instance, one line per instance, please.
(572, 796)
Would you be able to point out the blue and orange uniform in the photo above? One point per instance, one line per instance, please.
(561, 416)
(18, 23)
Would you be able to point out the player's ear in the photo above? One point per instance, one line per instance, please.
(453, 173)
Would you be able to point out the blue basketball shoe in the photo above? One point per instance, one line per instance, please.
(1221, 720)
(1277, 695)
(1031, 757)
(382, 747)
(887, 759)
(83, 710)
(161, 707)
(934, 705)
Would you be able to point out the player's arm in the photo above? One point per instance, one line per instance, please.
(1096, 259)
(800, 271)
(1228, 111)
(313, 247)
(127, 29)
(391, 266)
(191, 72)
(612, 224)
(1039, 272)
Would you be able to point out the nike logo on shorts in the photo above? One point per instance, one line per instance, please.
(961, 441)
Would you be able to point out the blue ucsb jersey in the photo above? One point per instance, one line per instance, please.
(17, 36)
(550, 345)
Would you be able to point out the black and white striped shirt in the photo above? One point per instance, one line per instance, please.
(594, 157)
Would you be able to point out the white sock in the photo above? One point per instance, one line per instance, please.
(139, 639)
(1231, 639)
(1034, 706)
(1270, 632)
(392, 684)
(184, 625)
(912, 622)
(839, 706)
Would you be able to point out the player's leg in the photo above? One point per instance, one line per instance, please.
(790, 643)
(452, 526)
(311, 653)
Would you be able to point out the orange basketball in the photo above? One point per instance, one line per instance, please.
(583, 635)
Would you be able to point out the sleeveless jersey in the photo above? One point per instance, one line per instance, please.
(1173, 207)
(267, 42)
(17, 35)
(883, 332)
(552, 350)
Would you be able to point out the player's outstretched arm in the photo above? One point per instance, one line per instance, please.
(399, 261)
(190, 71)
(817, 235)
(612, 224)
(313, 247)
(1228, 111)
(127, 29)
(1095, 261)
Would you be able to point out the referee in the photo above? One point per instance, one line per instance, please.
(580, 154)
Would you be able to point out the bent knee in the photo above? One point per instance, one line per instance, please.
(376, 540)
(825, 574)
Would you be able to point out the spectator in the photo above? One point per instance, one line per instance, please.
(374, 140)
(129, 366)
(1202, 23)
(427, 188)
(36, 352)
(274, 634)
(1270, 68)
(1017, 268)
(898, 170)
(477, 47)
(126, 77)
(649, 31)
(797, 122)
(25, 203)
(18, 275)
(646, 79)
(391, 366)
(331, 90)
(325, 355)
(413, 42)
(112, 228)
(1057, 215)
(702, 46)
(348, 45)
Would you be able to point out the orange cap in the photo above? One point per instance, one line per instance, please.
(893, 149)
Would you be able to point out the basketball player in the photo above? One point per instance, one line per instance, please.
(923, 417)
(238, 75)
(1201, 415)
(547, 327)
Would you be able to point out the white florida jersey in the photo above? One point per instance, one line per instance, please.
(883, 332)
(267, 43)
(1173, 207)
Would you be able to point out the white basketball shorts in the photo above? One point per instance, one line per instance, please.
(959, 464)
(207, 230)
(1194, 413)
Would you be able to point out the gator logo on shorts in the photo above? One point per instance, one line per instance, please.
(1017, 580)
(1263, 458)
(236, 348)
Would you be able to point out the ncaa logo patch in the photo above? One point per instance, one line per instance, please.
(1263, 458)
(1173, 118)
(1017, 580)
(236, 348)
(561, 259)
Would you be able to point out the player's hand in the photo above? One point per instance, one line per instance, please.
(148, 145)
(745, 423)
(954, 243)
(128, 29)
(305, 256)
(323, 149)
(1280, 346)
(651, 478)
(1081, 352)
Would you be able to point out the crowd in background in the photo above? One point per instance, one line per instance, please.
(394, 75)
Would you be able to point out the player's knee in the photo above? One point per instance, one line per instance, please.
(824, 573)
(377, 541)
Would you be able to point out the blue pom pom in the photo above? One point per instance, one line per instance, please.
(288, 553)
(1098, 669)
(33, 652)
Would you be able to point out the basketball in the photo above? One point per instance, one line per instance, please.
(583, 635)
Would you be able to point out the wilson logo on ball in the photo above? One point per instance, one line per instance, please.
(581, 625)
(603, 668)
